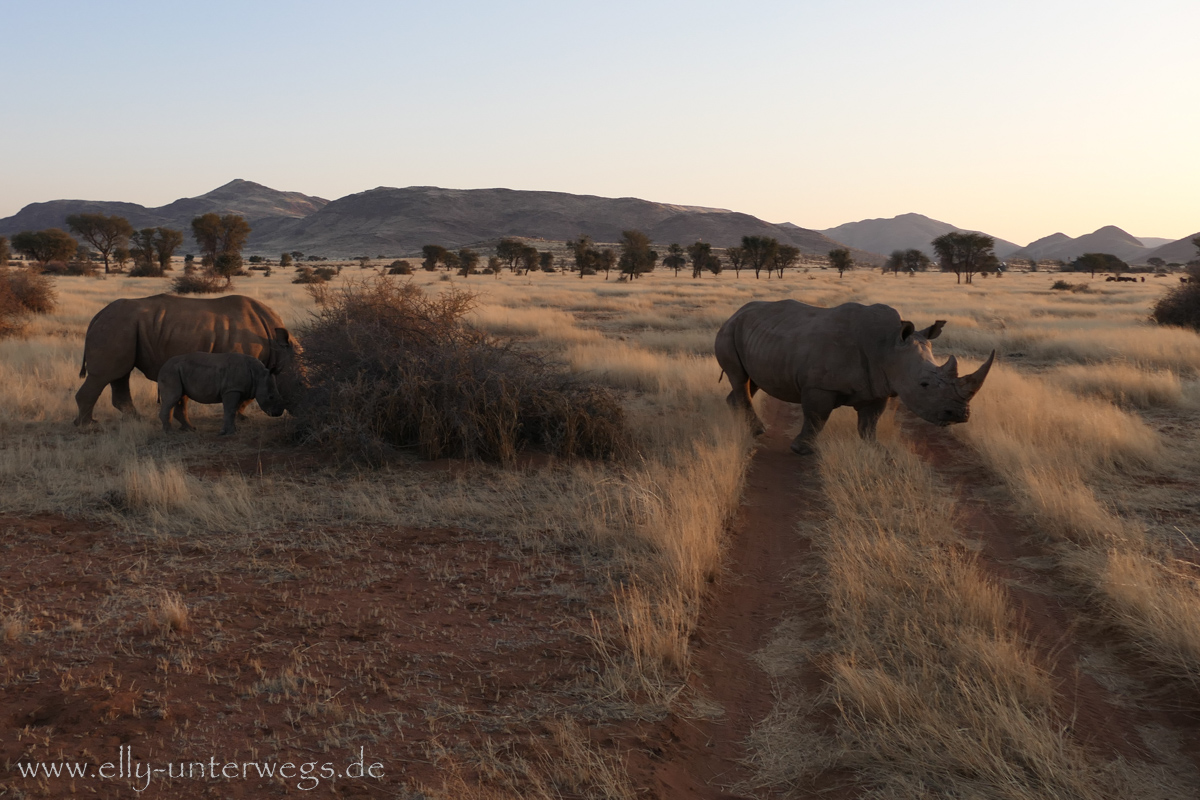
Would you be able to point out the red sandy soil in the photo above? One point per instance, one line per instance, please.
(703, 758)
(415, 646)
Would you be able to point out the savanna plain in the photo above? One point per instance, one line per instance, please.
(1007, 608)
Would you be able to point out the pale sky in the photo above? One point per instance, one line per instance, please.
(1019, 118)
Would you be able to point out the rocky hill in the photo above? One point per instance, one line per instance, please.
(395, 222)
(1177, 252)
(399, 221)
(255, 202)
(1109, 239)
(902, 233)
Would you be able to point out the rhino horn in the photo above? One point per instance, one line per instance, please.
(970, 383)
(951, 367)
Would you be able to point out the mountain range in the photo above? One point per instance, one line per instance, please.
(398, 222)
(394, 221)
(907, 231)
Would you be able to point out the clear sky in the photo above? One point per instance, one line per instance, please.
(1019, 118)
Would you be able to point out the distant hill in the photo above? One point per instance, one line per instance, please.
(1109, 239)
(1178, 252)
(1153, 241)
(904, 232)
(390, 220)
(395, 221)
(255, 202)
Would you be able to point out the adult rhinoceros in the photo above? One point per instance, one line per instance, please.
(145, 332)
(850, 355)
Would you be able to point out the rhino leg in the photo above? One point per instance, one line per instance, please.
(868, 417)
(231, 401)
(181, 414)
(86, 399)
(241, 412)
(122, 399)
(744, 390)
(817, 405)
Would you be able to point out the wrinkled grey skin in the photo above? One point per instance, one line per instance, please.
(145, 332)
(232, 379)
(850, 355)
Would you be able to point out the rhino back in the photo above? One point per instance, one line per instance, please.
(786, 346)
(150, 330)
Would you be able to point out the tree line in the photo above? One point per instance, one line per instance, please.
(219, 237)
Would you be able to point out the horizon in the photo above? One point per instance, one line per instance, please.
(1045, 117)
(506, 188)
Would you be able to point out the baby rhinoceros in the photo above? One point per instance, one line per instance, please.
(233, 379)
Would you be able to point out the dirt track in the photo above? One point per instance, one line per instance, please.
(703, 758)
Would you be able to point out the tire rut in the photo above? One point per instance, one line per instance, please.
(1047, 607)
(704, 757)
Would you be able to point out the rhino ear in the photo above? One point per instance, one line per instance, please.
(951, 367)
(282, 337)
(934, 330)
(906, 329)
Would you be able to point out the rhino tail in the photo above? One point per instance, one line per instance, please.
(83, 368)
(722, 375)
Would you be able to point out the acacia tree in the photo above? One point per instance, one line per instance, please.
(760, 251)
(166, 242)
(468, 260)
(546, 261)
(606, 259)
(674, 258)
(737, 259)
(894, 262)
(509, 251)
(1098, 262)
(785, 256)
(3, 251)
(915, 260)
(964, 253)
(636, 255)
(221, 238)
(141, 250)
(102, 232)
(529, 257)
(700, 253)
(840, 260)
(434, 254)
(52, 244)
(494, 265)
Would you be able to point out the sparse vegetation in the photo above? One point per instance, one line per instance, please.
(391, 367)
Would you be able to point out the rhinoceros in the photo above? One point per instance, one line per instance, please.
(145, 332)
(232, 379)
(850, 355)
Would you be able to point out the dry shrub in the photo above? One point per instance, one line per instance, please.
(199, 283)
(391, 367)
(73, 267)
(314, 276)
(168, 613)
(32, 292)
(1179, 307)
(23, 293)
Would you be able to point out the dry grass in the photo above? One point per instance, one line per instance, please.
(936, 691)
(1122, 384)
(927, 643)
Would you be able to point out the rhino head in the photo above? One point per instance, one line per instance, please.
(286, 369)
(936, 394)
(267, 393)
